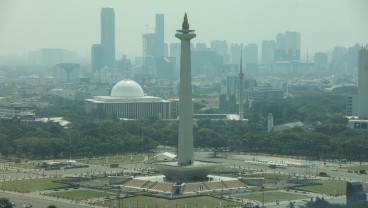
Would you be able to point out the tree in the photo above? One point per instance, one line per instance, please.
(51, 206)
(290, 205)
(5, 203)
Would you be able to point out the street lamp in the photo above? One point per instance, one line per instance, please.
(263, 196)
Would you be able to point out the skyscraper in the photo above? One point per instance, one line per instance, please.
(221, 47)
(154, 43)
(288, 46)
(160, 36)
(235, 50)
(320, 62)
(268, 55)
(108, 35)
(251, 57)
(97, 57)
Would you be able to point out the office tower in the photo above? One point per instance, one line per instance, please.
(235, 51)
(52, 56)
(108, 35)
(288, 46)
(175, 52)
(251, 58)
(160, 38)
(320, 62)
(206, 62)
(363, 84)
(154, 43)
(339, 60)
(221, 47)
(97, 57)
(352, 59)
(201, 47)
(268, 55)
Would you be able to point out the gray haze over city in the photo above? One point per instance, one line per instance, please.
(75, 25)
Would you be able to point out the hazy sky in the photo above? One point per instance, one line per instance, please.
(75, 24)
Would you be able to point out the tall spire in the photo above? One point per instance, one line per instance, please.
(185, 25)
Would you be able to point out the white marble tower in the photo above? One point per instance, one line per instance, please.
(363, 84)
(241, 91)
(185, 143)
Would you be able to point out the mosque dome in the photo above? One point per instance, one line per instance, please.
(127, 88)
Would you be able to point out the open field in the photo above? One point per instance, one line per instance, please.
(273, 196)
(328, 187)
(25, 186)
(145, 201)
(80, 194)
(112, 159)
(357, 167)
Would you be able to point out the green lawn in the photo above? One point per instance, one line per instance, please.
(328, 187)
(357, 167)
(32, 185)
(273, 196)
(142, 201)
(80, 194)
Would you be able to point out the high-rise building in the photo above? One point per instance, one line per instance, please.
(97, 57)
(338, 63)
(175, 52)
(268, 55)
(235, 51)
(221, 47)
(320, 62)
(201, 47)
(251, 58)
(288, 46)
(362, 121)
(363, 84)
(108, 35)
(154, 43)
(52, 56)
(352, 59)
(160, 37)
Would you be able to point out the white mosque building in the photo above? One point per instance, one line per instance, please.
(128, 101)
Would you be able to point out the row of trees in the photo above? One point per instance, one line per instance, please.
(327, 137)
(116, 137)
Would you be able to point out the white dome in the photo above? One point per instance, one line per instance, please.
(127, 88)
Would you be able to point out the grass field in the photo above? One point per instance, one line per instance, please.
(80, 194)
(357, 167)
(328, 187)
(145, 201)
(273, 196)
(25, 186)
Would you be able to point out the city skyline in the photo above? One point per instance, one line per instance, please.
(28, 26)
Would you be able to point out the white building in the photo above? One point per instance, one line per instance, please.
(127, 100)
(362, 122)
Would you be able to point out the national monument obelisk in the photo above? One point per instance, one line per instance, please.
(185, 169)
(185, 141)
(241, 86)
